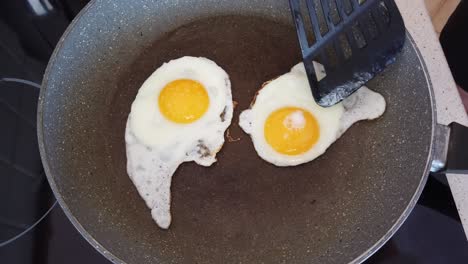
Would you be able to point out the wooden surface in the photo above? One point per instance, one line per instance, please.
(440, 11)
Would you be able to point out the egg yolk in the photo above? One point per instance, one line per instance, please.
(183, 101)
(291, 130)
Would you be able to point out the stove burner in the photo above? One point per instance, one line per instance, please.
(25, 194)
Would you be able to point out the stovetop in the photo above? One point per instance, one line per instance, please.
(34, 229)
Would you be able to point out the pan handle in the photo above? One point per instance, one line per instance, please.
(451, 149)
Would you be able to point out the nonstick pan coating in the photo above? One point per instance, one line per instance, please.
(339, 208)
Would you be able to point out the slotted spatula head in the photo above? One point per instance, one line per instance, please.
(353, 40)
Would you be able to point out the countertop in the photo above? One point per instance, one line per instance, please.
(448, 103)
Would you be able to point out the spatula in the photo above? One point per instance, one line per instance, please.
(348, 41)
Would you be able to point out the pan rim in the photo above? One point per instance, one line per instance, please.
(422, 183)
(113, 258)
(41, 141)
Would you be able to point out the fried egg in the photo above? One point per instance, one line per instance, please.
(289, 128)
(180, 114)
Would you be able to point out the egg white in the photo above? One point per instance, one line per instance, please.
(292, 90)
(156, 146)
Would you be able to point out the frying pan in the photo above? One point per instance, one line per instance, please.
(339, 208)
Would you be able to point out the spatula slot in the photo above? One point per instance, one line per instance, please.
(334, 15)
(312, 31)
(344, 7)
(315, 6)
(358, 36)
(345, 46)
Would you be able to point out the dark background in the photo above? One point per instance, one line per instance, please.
(29, 31)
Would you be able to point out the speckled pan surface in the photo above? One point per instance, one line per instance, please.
(339, 208)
